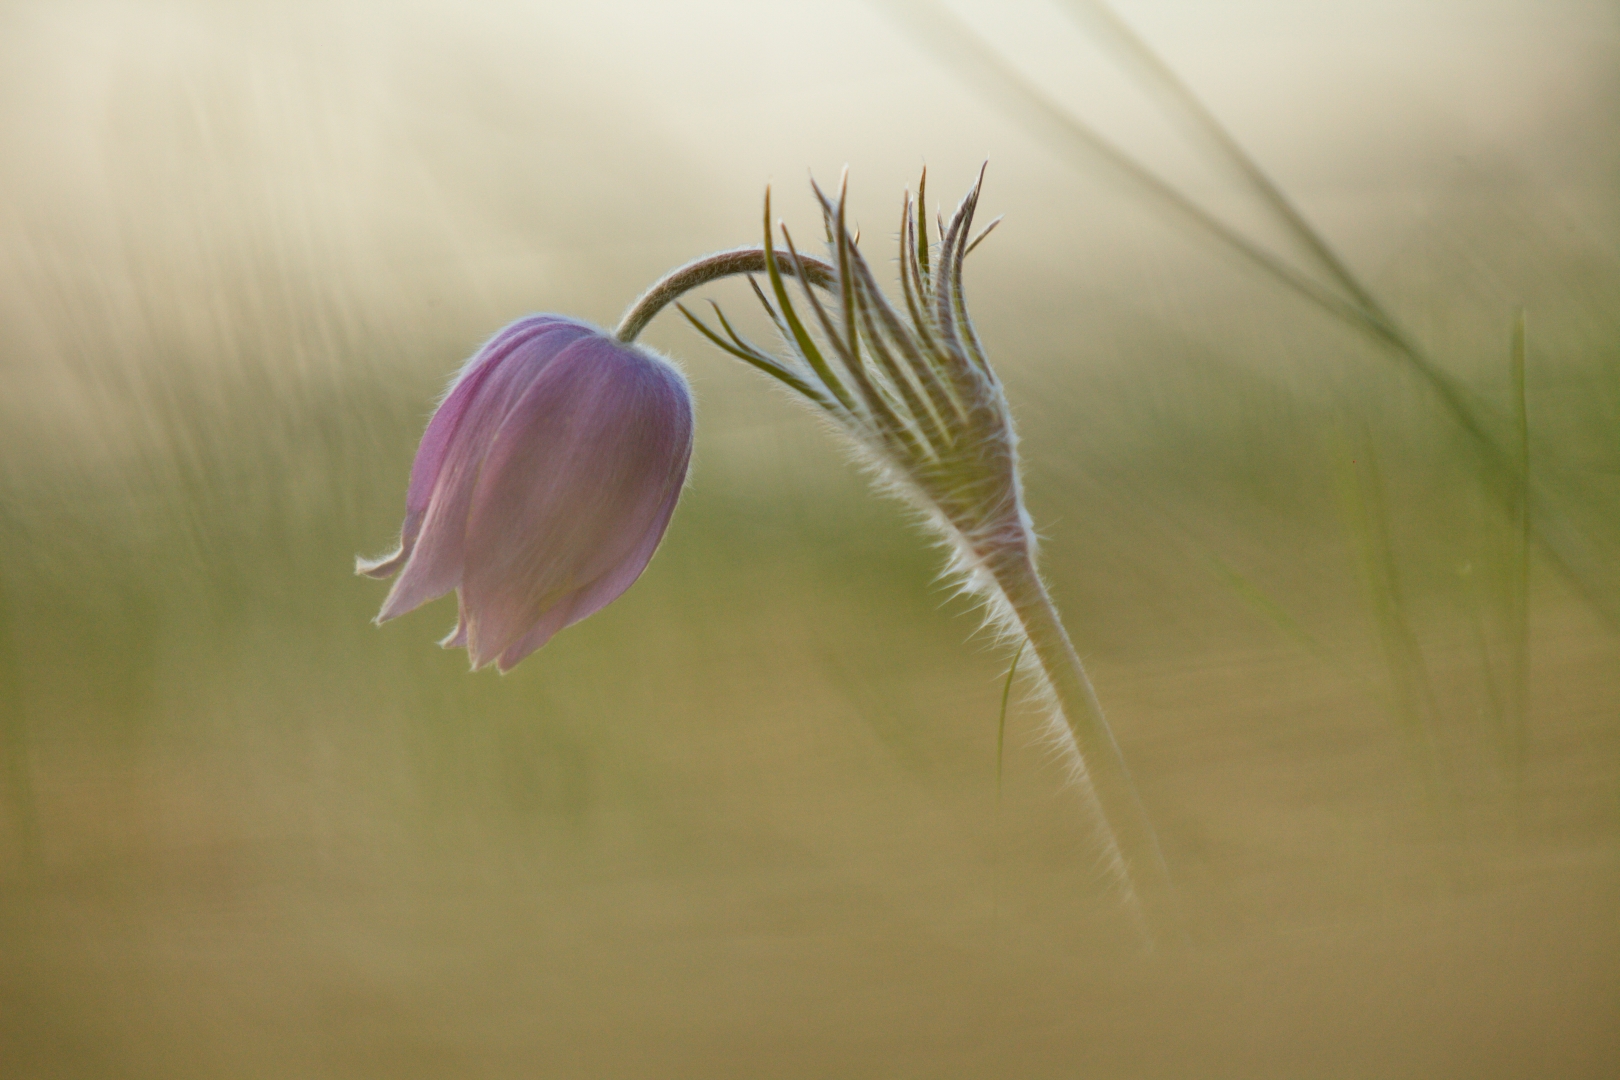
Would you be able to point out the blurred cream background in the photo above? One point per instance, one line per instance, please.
(745, 821)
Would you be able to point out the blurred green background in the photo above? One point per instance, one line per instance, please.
(745, 821)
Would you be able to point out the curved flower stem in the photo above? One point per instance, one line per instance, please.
(1125, 833)
(1131, 846)
(683, 279)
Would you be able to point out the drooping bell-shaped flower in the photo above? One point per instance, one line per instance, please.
(542, 486)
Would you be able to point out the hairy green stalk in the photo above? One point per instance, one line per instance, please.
(914, 391)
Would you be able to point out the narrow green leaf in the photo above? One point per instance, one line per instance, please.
(1001, 724)
(807, 345)
(1519, 579)
(887, 423)
(980, 238)
(756, 359)
(922, 229)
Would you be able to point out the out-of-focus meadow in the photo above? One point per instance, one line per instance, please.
(746, 822)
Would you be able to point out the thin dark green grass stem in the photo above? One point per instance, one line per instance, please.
(1412, 697)
(1001, 744)
(1496, 708)
(1202, 122)
(962, 48)
(1519, 574)
(1262, 603)
(1239, 584)
(1001, 723)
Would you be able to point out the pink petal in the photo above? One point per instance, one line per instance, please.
(536, 636)
(388, 565)
(434, 565)
(611, 585)
(594, 597)
(457, 638)
(580, 480)
(441, 428)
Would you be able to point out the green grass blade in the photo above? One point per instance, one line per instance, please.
(1001, 724)
(1519, 572)
(1346, 299)
(801, 336)
(743, 351)
(1361, 499)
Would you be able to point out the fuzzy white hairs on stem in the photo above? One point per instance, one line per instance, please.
(912, 389)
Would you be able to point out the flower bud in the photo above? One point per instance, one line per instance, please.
(542, 486)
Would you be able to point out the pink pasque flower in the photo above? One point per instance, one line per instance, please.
(543, 484)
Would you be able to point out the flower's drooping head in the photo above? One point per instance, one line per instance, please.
(543, 484)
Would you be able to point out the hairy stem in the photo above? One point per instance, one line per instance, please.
(1131, 844)
(748, 260)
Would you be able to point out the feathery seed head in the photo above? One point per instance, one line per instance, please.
(911, 385)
